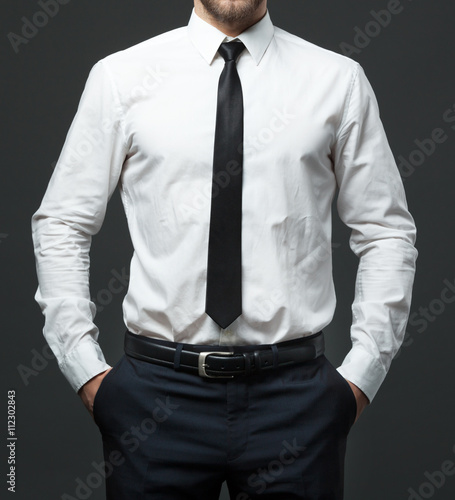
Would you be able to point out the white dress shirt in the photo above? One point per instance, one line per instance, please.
(146, 123)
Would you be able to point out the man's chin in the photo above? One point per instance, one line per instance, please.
(231, 11)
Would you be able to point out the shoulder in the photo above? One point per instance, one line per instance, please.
(160, 44)
(303, 50)
(145, 64)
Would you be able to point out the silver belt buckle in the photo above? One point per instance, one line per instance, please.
(202, 365)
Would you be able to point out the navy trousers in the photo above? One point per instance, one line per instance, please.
(276, 435)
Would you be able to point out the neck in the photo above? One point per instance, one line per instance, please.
(231, 29)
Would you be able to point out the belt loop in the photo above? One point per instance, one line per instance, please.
(320, 346)
(246, 357)
(178, 352)
(275, 355)
(257, 361)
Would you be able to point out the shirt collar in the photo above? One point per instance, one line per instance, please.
(207, 38)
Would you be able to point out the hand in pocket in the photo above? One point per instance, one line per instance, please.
(88, 391)
(361, 399)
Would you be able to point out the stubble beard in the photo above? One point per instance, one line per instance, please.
(231, 11)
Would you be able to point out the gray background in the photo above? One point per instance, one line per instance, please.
(408, 432)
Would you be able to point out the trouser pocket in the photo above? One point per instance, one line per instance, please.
(101, 403)
(348, 394)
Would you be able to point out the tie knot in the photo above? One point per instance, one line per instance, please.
(229, 51)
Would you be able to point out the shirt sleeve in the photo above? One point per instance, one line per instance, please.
(71, 212)
(372, 203)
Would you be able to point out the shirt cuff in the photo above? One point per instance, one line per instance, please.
(363, 370)
(83, 363)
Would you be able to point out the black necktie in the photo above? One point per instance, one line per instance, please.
(224, 270)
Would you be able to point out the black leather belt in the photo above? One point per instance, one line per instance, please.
(223, 361)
